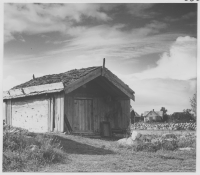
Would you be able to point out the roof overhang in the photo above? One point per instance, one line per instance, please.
(118, 83)
(33, 90)
(105, 73)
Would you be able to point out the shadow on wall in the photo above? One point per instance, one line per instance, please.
(73, 147)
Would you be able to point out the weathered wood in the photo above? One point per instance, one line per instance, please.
(34, 90)
(52, 113)
(49, 115)
(92, 117)
(9, 112)
(85, 79)
(83, 115)
(115, 78)
(62, 112)
(105, 85)
(4, 111)
(119, 84)
(58, 112)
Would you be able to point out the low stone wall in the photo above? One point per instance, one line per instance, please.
(161, 132)
(163, 126)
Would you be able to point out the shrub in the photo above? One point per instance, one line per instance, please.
(146, 146)
(169, 144)
(186, 142)
(22, 152)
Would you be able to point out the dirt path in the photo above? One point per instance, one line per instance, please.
(96, 155)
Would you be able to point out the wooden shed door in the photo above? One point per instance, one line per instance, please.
(83, 115)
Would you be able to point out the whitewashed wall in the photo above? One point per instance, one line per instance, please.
(31, 114)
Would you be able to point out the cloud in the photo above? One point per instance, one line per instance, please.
(189, 15)
(141, 10)
(113, 40)
(65, 18)
(171, 84)
(40, 18)
(159, 92)
(179, 63)
(170, 93)
(183, 17)
(10, 82)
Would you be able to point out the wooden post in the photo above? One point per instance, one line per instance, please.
(62, 120)
(51, 114)
(104, 62)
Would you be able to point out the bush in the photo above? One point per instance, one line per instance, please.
(163, 126)
(169, 144)
(187, 141)
(168, 141)
(22, 152)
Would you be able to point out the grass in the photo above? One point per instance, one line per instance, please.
(24, 151)
(70, 153)
(103, 155)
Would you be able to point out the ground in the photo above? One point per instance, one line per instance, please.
(84, 154)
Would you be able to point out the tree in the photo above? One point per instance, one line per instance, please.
(187, 115)
(193, 103)
(164, 110)
(165, 116)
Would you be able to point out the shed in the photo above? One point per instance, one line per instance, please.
(75, 101)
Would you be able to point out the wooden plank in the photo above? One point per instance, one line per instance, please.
(49, 115)
(62, 105)
(9, 112)
(70, 110)
(58, 112)
(78, 83)
(4, 110)
(106, 85)
(94, 113)
(79, 114)
(89, 115)
(92, 117)
(34, 90)
(75, 118)
(52, 113)
(85, 116)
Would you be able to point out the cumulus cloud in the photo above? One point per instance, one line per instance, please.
(171, 84)
(179, 63)
(159, 92)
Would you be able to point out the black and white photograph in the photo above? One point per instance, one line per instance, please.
(105, 86)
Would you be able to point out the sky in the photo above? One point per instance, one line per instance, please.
(151, 47)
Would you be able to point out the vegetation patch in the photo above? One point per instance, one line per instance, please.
(25, 151)
(163, 126)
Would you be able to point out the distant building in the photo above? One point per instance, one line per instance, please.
(135, 117)
(182, 117)
(150, 116)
